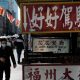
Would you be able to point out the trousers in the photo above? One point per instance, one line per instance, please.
(5, 69)
(19, 51)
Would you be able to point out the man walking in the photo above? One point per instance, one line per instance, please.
(6, 52)
(19, 46)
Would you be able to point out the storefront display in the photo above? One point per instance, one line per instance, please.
(51, 30)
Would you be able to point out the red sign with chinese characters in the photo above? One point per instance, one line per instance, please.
(51, 72)
(50, 17)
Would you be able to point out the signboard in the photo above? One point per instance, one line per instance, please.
(21, 1)
(50, 17)
(51, 45)
(51, 72)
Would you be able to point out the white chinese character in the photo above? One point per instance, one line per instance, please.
(77, 16)
(25, 22)
(66, 13)
(50, 17)
(26, 15)
(35, 19)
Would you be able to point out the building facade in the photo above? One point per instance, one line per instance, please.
(10, 7)
(40, 43)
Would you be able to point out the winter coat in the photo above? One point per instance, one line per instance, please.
(7, 53)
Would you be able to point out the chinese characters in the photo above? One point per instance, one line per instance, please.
(46, 17)
(53, 72)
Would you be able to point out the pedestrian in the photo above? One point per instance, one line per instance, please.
(19, 43)
(6, 52)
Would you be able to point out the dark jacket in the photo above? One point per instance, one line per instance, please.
(19, 43)
(7, 53)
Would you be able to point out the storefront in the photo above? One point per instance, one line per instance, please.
(52, 29)
(52, 39)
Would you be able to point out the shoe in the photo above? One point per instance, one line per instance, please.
(18, 62)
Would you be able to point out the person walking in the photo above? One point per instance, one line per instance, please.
(6, 52)
(19, 43)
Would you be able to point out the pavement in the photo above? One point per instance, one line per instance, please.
(16, 73)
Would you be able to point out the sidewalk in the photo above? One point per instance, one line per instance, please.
(16, 74)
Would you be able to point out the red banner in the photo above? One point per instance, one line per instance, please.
(50, 17)
(10, 17)
(2, 11)
(17, 22)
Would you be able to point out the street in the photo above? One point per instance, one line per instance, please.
(16, 74)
